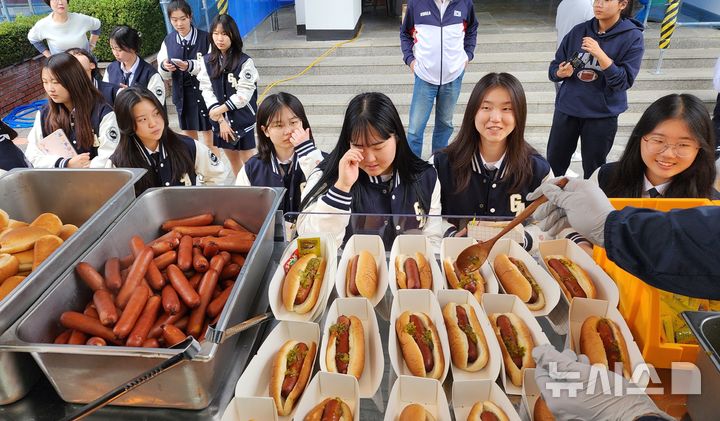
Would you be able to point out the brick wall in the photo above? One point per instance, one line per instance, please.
(20, 84)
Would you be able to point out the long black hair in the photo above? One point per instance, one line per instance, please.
(370, 114)
(232, 57)
(267, 111)
(697, 180)
(127, 154)
(461, 151)
(94, 73)
(127, 38)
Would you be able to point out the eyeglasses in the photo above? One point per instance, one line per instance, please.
(603, 2)
(657, 144)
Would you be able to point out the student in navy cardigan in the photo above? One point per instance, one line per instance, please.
(129, 69)
(372, 170)
(228, 81)
(489, 168)
(146, 141)
(286, 151)
(178, 60)
(10, 155)
(89, 63)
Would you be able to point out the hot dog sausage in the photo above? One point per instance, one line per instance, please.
(113, 280)
(218, 303)
(230, 271)
(567, 278)
(156, 330)
(145, 322)
(233, 225)
(132, 311)
(612, 350)
(88, 325)
(293, 369)
(165, 246)
(63, 337)
(127, 261)
(96, 341)
(182, 286)
(228, 232)
(237, 258)
(210, 249)
(197, 316)
(194, 280)
(172, 335)
(77, 338)
(419, 333)
(192, 221)
(510, 339)
(170, 300)
(90, 311)
(90, 276)
(200, 262)
(170, 236)
(199, 231)
(219, 261)
(342, 344)
(185, 253)
(413, 273)
(135, 276)
(234, 244)
(352, 267)
(165, 259)
(151, 343)
(464, 325)
(488, 416)
(105, 307)
(332, 411)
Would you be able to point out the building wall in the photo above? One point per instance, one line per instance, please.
(20, 84)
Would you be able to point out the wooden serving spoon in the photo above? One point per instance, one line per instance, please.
(473, 257)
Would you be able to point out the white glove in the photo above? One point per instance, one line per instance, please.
(581, 204)
(573, 391)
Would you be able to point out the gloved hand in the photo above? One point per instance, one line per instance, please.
(594, 398)
(581, 204)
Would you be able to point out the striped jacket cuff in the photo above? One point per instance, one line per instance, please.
(230, 105)
(338, 199)
(450, 232)
(305, 148)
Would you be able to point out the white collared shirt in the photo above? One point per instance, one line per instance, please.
(647, 185)
(133, 69)
(493, 165)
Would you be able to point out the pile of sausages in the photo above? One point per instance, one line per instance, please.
(165, 290)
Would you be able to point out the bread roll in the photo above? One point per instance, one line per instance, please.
(541, 412)
(524, 342)
(9, 266)
(44, 247)
(296, 276)
(48, 221)
(459, 338)
(25, 258)
(593, 345)
(20, 239)
(423, 267)
(415, 412)
(67, 230)
(316, 414)
(4, 219)
(9, 284)
(486, 406)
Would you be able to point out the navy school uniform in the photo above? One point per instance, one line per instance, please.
(292, 176)
(10, 155)
(142, 74)
(108, 90)
(237, 89)
(104, 126)
(487, 194)
(409, 204)
(207, 165)
(192, 113)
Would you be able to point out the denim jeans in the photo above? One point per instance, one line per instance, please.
(424, 94)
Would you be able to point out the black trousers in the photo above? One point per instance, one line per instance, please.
(716, 121)
(596, 138)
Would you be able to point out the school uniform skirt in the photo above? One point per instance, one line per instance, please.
(193, 115)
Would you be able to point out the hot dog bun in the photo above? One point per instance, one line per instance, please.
(293, 280)
(366, 276)
(525, 345)
(415, 412)
(473, 281)
(4, 219)
(20, 239)
(44, 246)
(460, 339)
(423, 270)
(9, 266)
(486, 406)
(541, 412)
(577, 273)
(49, 222)
(356, 356)
(67, 230)
(516, 278)
(316, 414)
(592, 344)
(411, 351)
(285, 405)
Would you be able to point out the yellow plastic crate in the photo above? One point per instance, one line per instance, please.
(639, 302)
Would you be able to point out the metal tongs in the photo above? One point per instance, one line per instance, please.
(190, 347)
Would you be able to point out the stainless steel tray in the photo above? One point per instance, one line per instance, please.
(81, 373)
(90, 199)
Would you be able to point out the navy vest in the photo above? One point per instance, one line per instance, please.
(141, 77)
(487, 194)
(100, 110)
(108, 90)
(242, 120)
(184, 81)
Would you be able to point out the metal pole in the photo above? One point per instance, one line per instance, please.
(32, 9)
(5, 10)
(163, 6)
(207, 17)
(698, 24)
(274, 17)
(666, 30)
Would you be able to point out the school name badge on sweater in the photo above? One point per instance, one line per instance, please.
(457, 13)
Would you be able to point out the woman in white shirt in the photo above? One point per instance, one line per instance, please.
(62, 30)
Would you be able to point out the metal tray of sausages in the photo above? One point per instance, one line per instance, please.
(92, 200)
(81, 374)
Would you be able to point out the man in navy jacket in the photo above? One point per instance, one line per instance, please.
(438, 39)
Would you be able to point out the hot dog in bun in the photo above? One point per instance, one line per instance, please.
(413, 272)
(303, 282)
(573, 279)
(331, 409)
(603, 343)
(291, 371)
(516, 278)
(516, 344)
(468, 346)
(486, 411)
(541, 412)
(361, 278)
(346, 347)
(415, 412)
(420, 345)
(459, 279)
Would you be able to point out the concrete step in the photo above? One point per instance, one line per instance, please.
(680, 79)
(483, 62)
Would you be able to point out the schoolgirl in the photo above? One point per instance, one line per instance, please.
(228, 81)
(489, 168)
(597, 62)
(670, 153)
(10, 155)
(129, 69)
(76, 107)
(372, 170)
(286, 151)
(108, 90)
(179, 57)
(147, 142)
